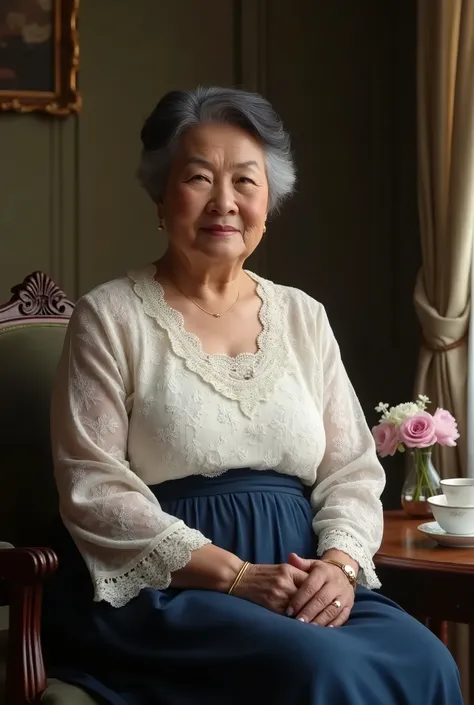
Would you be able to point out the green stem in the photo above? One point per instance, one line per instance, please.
(421, 459)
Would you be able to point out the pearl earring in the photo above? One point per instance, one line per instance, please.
(161, 225)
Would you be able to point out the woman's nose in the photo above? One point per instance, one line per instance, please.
(223, 200)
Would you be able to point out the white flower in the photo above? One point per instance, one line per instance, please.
(396, 415)
(423, 401)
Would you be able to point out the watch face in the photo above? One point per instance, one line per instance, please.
(349, 571)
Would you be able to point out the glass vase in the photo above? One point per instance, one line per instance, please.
(422, 481)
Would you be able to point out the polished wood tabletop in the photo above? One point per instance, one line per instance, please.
(405, 547)
(431, 582)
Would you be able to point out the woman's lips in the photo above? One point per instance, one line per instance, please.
(220, 232)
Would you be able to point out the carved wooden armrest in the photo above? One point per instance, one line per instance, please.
(22, 571)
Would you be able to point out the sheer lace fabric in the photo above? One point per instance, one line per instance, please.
(137, 402)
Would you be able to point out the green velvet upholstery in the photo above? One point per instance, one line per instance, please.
(29, 354)
(58, 693)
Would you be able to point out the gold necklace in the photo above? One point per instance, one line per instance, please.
(209, 313)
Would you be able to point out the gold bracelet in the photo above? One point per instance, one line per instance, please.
(239, 577)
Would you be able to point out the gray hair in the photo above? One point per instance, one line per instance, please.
(177, 111)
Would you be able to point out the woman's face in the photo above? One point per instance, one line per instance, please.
(216, 199)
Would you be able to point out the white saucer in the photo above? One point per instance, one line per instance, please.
(435, 532)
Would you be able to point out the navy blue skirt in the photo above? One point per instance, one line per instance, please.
(197, 647)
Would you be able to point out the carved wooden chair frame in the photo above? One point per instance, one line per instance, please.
(22, 570)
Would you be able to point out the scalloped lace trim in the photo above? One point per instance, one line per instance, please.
(248, 378)
(154, 570)
(343, 541)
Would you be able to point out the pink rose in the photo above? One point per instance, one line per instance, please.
(418, 431)
(446, 428)
(386, 439)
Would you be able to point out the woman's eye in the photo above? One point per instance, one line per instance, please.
(199, 177)
(246, 180)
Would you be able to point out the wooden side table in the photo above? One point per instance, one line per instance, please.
(432, 583)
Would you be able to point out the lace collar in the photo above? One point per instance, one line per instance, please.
(248, 378)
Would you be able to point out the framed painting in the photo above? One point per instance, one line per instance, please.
(39, 56)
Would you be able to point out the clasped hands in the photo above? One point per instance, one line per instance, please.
(311, 591)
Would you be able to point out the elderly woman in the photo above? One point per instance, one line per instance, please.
(219, 488)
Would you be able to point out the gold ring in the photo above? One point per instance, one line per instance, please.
(336, 603)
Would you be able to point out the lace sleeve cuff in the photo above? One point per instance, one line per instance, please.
(171, 553)
(343, 541)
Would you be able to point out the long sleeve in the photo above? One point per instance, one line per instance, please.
(126, 539)
(350, 480)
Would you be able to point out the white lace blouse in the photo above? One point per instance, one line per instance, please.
(137, 401)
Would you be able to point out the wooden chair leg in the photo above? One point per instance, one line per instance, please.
(23, 570)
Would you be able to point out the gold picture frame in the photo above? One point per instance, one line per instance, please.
(39, 56)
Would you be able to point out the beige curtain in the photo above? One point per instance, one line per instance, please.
(446, 208)
(445, 97)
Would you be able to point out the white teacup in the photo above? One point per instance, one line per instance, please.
(459, 491)
(453, 519)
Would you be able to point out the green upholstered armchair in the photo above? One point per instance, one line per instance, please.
(32, 328)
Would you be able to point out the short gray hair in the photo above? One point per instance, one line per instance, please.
(177, 111)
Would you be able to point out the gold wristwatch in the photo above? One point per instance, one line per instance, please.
(348, 570)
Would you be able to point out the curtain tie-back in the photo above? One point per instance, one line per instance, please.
(432, 347)
(440, 333)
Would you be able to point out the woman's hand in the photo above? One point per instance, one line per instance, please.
(325, 598)
(271, 586)
(213, 568)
